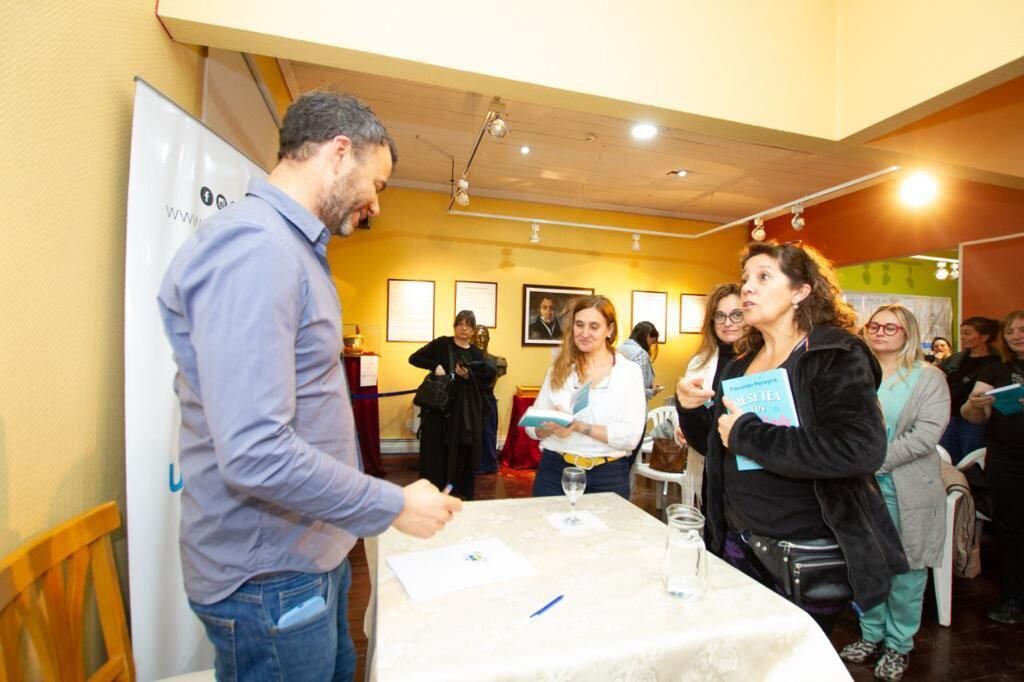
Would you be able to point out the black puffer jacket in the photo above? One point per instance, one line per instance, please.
(840, 443)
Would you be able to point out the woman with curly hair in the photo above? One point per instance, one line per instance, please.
(806, 486)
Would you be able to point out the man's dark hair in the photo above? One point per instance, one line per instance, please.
(985, 326)
(319, 116)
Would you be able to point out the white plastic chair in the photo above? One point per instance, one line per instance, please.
(969, 460)
(942, 575)
(660, 415)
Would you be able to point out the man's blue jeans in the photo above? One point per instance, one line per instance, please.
(249, 645)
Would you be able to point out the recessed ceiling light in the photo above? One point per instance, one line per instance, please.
(524, 149)
(680, 172)
(644, 131)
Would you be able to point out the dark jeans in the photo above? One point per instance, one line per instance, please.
(251, 648)
(611, 477)
(1005, 474)
(489, 446)
(962, 438)
(739, 556)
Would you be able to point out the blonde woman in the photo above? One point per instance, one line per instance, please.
(915, 403)
(606, 431)
(723, 326)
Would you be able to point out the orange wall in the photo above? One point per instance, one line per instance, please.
(991, 276)
(873, 224)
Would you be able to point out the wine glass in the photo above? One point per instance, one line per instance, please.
(574, 482)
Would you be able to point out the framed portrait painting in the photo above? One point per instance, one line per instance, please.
(545, 312)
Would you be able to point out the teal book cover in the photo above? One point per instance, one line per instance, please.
(1008, 398)
(766, 394)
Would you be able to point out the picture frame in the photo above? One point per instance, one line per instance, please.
(649, 306)
(410, 310)
(556, 302)
(481, 298)
(691, 313)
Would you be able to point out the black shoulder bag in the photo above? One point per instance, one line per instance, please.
(436, 392)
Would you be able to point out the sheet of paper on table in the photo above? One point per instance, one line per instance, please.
(588, 522)
(433, 572)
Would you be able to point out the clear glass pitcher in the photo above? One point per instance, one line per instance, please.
(685, 570)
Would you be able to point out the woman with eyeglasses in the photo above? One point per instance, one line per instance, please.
(810, 485)
(915, 403)
(603, 433)
(723, 326)
(1004, 443)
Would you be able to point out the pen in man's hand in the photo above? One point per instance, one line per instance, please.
(448, 489)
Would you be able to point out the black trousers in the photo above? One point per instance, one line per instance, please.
(1004, 471)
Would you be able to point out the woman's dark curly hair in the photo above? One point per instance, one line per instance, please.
(803, 264)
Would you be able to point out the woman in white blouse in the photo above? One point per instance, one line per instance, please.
(604, 432)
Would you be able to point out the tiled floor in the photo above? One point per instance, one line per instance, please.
(974, 648)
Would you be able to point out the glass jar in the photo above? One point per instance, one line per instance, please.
(685, 569)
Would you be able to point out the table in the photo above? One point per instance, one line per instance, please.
(616, 622)
(520, 451)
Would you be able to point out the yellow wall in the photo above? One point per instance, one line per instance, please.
(414, 239)
(65, 130)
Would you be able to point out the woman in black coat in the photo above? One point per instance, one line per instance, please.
(809, 484)
(450, 443)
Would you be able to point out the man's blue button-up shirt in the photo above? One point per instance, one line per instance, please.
(268, 444)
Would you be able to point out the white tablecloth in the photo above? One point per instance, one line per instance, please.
(616, 622)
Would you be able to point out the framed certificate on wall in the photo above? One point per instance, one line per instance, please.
(691, 313)
(650, 306)
(481, 298)
(410, 310)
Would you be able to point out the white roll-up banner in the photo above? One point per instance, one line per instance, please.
(181, 173)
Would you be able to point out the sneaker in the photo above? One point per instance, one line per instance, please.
(861, 651)
(891, 665)
(1007, 612)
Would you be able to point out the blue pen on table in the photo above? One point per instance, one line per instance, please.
(546, 606)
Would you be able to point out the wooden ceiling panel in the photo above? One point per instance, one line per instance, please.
(727, 178)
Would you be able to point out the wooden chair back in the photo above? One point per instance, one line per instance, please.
(42, 597)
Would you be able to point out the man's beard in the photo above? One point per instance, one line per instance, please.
(336, 209)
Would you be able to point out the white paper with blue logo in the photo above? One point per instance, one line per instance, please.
(434, 572)
(766, 394)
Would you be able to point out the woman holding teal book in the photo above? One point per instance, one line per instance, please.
(915, 403)
(813, 489)
(1004, 442)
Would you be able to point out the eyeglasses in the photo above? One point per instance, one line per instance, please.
(736, 317)
(887, 329)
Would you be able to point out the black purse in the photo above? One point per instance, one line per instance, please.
(807, 570)
(436, 392)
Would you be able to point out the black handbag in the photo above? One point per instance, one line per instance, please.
(436, 392)
(807, 570)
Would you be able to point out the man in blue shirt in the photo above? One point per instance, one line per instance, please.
(274, 497)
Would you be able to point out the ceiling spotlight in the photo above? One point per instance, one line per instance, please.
(797, 221)
(462, 193)
(636, 242)
(535, 233)
(758, 234)
(954, 271)
(679, 172)
(497, 126)
(644, 131)
(919, 189)
(941, 273)
(524, 149)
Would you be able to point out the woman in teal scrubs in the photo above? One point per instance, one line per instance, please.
(915, 402)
